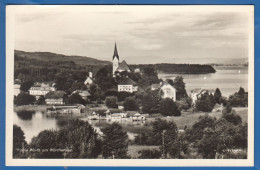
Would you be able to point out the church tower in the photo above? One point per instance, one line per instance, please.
(115, 60)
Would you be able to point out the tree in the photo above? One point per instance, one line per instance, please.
(95, 92)
(40, 101)
(179, 85)
(217, 96)
(115, 141)
(205, 103)
(76, 135)
(24, 99)
(184, 103)
(169, 108)
(25, 86)
(18, 141)
(239, 99)
(111, 102)
(130, 104)
(151, 101)
(195, 133)
(232, 117)
(76, 99)
(164, 133)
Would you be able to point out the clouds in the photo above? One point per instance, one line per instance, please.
(143, 33)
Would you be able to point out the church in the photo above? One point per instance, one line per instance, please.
(117, 66)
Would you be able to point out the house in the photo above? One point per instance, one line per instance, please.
(168, 91)
(83, 93)
(127, 85)
(41, 89)
(73, 109)
(55, 98)
(196, 93)
(117, 66)
(135, 116)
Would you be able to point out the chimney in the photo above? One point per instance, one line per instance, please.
(90, 74)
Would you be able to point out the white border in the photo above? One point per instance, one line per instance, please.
(10, 34)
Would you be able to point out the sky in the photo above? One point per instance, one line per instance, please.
(144, 34)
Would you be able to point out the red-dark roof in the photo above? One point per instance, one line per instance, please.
(127, 81)
(55, 94)
(123, 66)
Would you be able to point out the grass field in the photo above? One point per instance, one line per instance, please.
(188, 118)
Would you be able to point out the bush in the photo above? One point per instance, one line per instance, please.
(233, 118)
(111, 102)
(40, 101)
(24, 99)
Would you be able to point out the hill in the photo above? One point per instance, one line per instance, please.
(49, 57)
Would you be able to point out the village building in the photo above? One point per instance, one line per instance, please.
(168, 91)
(55, 98)
(89, 79)
(41, 89)
(196, 93)
(117, 66)
(127, 85)
(83, 93)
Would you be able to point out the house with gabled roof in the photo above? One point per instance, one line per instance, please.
(127, 85)
(168, 91)
(55, 97)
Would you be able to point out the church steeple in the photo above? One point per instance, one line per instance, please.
(115, 53)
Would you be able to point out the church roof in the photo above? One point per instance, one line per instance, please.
(123, 66)
(127, 81)
(115, 53)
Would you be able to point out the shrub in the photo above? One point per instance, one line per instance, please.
(150, 154)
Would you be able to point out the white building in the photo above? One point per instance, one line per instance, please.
(196, 93)
(127, 85)
(168, 91)
(40, 89)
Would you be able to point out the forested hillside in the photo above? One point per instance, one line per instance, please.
(179, 68)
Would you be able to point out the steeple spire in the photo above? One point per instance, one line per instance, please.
(115, 53)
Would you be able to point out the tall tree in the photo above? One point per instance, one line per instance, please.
(18, 141)
(115, 143)
(179, 85)
(217, 96)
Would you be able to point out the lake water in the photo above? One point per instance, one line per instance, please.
(227, 79)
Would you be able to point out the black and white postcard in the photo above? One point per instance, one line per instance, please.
(130, 85)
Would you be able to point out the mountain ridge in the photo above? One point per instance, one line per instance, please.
(50, 56)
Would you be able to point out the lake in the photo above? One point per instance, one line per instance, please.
(227, 79)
